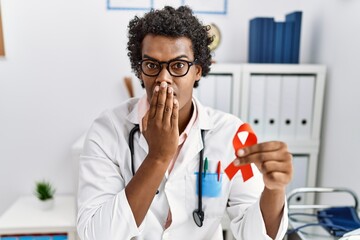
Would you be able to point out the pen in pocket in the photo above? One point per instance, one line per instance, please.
(206, 166)
(218, 170)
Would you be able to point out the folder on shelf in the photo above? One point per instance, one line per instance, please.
(288, 42)
(255, 40)
(223, 92)
(278, 42)
(267, 40)
(256, 103)
(289, 85)
(272, 106)
(300, 165)
(206, 91)
(217, 93)
(295, 17)
(305, 103)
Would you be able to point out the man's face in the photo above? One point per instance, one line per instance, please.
(164, 49)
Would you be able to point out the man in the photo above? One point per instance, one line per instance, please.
(146, 188)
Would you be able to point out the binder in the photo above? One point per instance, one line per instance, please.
(272, 106)
(295, 17)
(306, 92)
(256, 103)
(223, 92)
(300, 166)
(206, 91)
(255, 40)
(289, 84)
(278, 42)
(267, 40)
(288, 42)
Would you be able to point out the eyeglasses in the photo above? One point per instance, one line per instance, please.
(176, 67)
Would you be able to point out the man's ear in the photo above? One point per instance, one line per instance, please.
(198, 71)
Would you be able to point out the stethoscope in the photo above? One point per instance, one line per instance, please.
(198, 214)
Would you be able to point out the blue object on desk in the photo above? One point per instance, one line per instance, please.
(60, 237)
(48, 237)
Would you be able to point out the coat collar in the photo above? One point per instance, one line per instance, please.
(203, 122)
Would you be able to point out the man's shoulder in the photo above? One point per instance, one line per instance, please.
(120, 114)
(125, 108)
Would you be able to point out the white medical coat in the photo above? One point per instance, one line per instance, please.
(105, 169)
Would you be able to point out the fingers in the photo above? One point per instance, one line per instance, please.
(162, 106)
(276, 180)
(168, 109)
(272, 159)
(175, 115)
(145, 121)
(262, 147)
(259, 157)
(272, 166)
(153, 102)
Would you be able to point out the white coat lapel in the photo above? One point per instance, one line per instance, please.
(133, 117)
(192, 147)
(193, 144)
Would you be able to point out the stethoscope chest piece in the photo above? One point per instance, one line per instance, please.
(198, 217)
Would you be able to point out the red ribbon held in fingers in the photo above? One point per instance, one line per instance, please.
(244, 137)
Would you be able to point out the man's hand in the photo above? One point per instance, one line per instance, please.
(160, 124)
(275, 163)
(272, 159)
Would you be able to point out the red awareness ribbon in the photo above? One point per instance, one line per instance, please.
(244, 137)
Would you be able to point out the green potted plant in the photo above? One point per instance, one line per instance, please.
(44, 191)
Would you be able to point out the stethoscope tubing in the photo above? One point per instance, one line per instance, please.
(199, 212)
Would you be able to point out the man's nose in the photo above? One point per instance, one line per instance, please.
(164, 75)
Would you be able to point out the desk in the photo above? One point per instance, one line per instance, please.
(26, 217)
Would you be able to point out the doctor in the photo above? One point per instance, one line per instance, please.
(153, 194)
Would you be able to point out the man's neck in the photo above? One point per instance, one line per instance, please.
(184, 116)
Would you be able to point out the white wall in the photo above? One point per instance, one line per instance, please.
(66, 60)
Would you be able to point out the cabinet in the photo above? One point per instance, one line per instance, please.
(25, 218)
(281, 102)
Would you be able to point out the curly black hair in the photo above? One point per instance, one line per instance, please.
(172, 23)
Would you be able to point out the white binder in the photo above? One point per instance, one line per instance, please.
(300, 166)
(223, 92)
(256, 103)
(272, 106)
(305, 107)
(206, 91)
(289, 84)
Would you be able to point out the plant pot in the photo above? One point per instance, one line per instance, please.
(46, 204)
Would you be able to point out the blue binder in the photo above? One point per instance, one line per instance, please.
(295, 18)
(255, 35)
(278, 42)
(267, 40)
(288, 42)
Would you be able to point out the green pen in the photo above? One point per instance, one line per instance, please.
(206, 166)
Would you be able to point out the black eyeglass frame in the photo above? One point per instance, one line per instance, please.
(167, 66)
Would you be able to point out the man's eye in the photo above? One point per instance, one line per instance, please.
(178, 65)
(151, 65)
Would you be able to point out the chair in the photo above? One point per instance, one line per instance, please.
(301, 214)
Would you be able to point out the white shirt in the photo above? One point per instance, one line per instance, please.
(105, 169)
